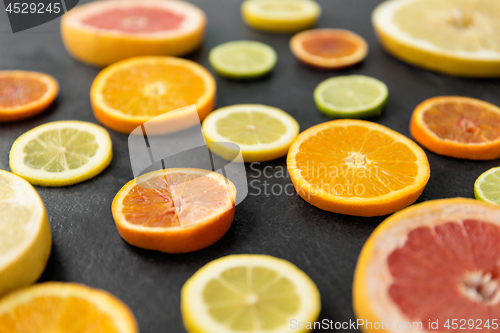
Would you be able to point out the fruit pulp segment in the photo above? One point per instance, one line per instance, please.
(56, 314)
(60, 150)
(354, 161)
(351, 94)
(251, 299)
(450, 271)
(281, 7)
(453, 25)
(152, 89)
(329, 47)
(136, 20)
(463, 122)
(243, 57)
(250, 128)
(20, 91)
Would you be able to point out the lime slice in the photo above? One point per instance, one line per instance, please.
(354, 96)
(61, 153)
(243, 59)
(487, 186)
(261, 132)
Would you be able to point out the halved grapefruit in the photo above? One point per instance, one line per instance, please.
(432, 267)
(103, 32)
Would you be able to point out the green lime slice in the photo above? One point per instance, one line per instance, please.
(242, 59)
(487, 186)
(354, 96)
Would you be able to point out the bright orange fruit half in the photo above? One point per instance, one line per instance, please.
(329, 48)
(459, 127)
(357, 167)
(432, 267)
(24, 94)
(127, 94)
(103, 32)
(175, 210)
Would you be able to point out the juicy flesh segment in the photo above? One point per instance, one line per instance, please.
(136, 20)
(152, 89)
(352, 94)
(354, 161)
(329, 46)
(20, 91)
(60, 150)
(56, 314)
(243, 57)
(251, 128)
(463, 122)
(278, 7)
(177, 199)
(450, 271)
(251, 299)
(453, 25)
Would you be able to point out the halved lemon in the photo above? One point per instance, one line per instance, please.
(249, 293)
(487, 186)
(61, 153)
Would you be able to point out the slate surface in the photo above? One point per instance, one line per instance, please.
(87, 248)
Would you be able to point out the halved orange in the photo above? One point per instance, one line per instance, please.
(103, 32)
(357, 167)
(175, 210)
(64, 307)
(329, 48)
(127, 94)
(460, 127)
(24, 94)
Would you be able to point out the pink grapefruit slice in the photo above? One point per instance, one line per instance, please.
(432, 267)
(103, 32)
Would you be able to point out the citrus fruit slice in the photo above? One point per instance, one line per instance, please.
(25, 239)
(243, 59)
(249, 293)
(61, 153)
(64, 307)
(261, 132)
(103, 32)
(356, 167)
(127, 94)
(353, 96)
(458, 127)
(454, 37)
(25, 94)
(434, 263)
(487, 186)
(175, 210)
(285, 16)
(329, 48)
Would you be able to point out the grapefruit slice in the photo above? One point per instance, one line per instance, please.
(175, 210)
(103, 32)
(458, 127)
(329, 48)
(433, 262)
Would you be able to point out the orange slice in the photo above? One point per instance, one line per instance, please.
(25, 94)
(127, 94)
(459, 127)
(103, 32)
(64, 307)
(357, 167)
(175, 210)
(432, 267)
(329, 48)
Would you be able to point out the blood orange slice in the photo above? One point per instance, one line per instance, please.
(175, 210)
(435, 263)
(459, 127)
(329, 48)
(103, 32)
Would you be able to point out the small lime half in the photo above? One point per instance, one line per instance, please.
(353, 96)
(487, 186)
(242, 59)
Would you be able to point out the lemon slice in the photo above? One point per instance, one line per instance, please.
(487, 186)
(261, 132)
(249, 293)
(286, 16)
(457, 37)
(61, 153)
(25, 239)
